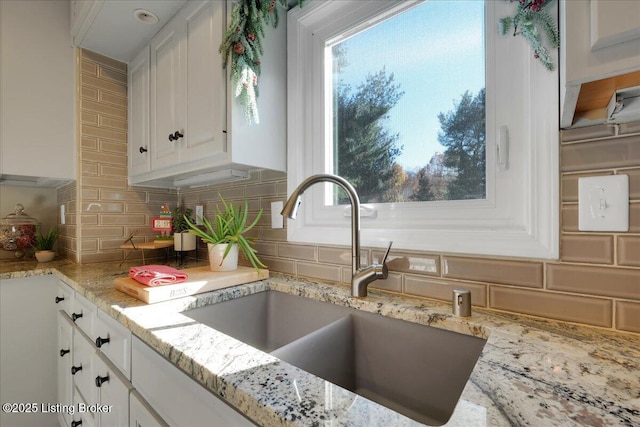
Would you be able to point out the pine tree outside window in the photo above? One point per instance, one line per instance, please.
(421, 151)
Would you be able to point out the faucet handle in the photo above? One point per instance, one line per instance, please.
(384, 259)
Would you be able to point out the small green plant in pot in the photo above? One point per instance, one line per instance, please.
(182, 239)
(229, 227)
(44, 244)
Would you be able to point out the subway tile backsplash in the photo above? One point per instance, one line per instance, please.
(596, 281)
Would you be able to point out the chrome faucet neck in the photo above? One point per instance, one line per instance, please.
(360, 277)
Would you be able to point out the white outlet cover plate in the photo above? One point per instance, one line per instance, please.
(277, 220)
(603, 203)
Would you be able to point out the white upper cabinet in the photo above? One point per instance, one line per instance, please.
(197, 131)
(600, 39)
(138, 94)
(37, 83)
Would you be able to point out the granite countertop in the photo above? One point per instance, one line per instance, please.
(531, 371)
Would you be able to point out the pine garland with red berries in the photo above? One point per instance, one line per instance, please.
(242, 45)
(529, 21)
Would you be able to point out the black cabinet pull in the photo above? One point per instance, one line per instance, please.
(76, 316)
(76, 423)
(175, 136)
(63, 352)
(143, 150)
(76, 369)
(58, 299)
(101, 341)
(100, 380)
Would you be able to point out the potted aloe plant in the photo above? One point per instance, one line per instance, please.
(225, 236)
(44, 244)
(182, 239)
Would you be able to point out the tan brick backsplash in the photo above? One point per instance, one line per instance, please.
(443, 289)
(522, 273)
(629, 251)
(571, 308)
(603, 281)
(617, 152)
(628, 316)
(594, 249)
(593, 282)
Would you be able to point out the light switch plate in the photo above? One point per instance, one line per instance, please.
(199, 214)
(277, 220)
(603, 203)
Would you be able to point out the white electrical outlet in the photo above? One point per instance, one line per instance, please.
(603, 203)
(199, 214)
(277, 220)
(62, 217)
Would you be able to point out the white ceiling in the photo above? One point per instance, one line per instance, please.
(116, 32)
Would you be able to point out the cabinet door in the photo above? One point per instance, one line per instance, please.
(113, 391)
(141, 414)
(205, 82)
(64, 298)
(166, 111)
(63, 355)
(180, 400)
(114, 341)
(138, 138)
(82, 369)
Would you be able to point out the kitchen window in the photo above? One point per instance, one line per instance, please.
(460, 158)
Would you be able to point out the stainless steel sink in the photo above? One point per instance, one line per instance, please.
(417, 370)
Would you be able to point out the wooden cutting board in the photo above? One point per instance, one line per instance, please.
(201, 279)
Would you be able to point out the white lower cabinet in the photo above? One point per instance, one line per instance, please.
(178, 399)
(81, 417)
(99, 362)
(28, 340)
(65, 385)
(112, 392)
(141, 414)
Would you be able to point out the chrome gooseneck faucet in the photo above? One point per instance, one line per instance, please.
(360, 277)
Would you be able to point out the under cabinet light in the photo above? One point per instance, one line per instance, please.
(226, 175)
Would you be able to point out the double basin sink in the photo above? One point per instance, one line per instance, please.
(416, 370)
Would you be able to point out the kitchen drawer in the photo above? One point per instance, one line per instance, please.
(114, 341)
(64, 297)
(83, 314)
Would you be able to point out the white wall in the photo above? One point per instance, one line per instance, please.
(37, 83)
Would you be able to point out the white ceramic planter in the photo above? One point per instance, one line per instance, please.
(184, 241)
(216, 252)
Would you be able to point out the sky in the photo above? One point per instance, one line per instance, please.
(442, 57)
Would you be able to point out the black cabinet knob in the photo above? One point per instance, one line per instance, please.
(63, 352)
(175, 136)
(100, 380)
(76, 423)
(101, 341)
(58, 299)
(76, 369)
(143, 150)
(76, 316)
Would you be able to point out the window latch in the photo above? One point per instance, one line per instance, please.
(502, 149)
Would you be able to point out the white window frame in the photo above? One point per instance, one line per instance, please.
(518, 218)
